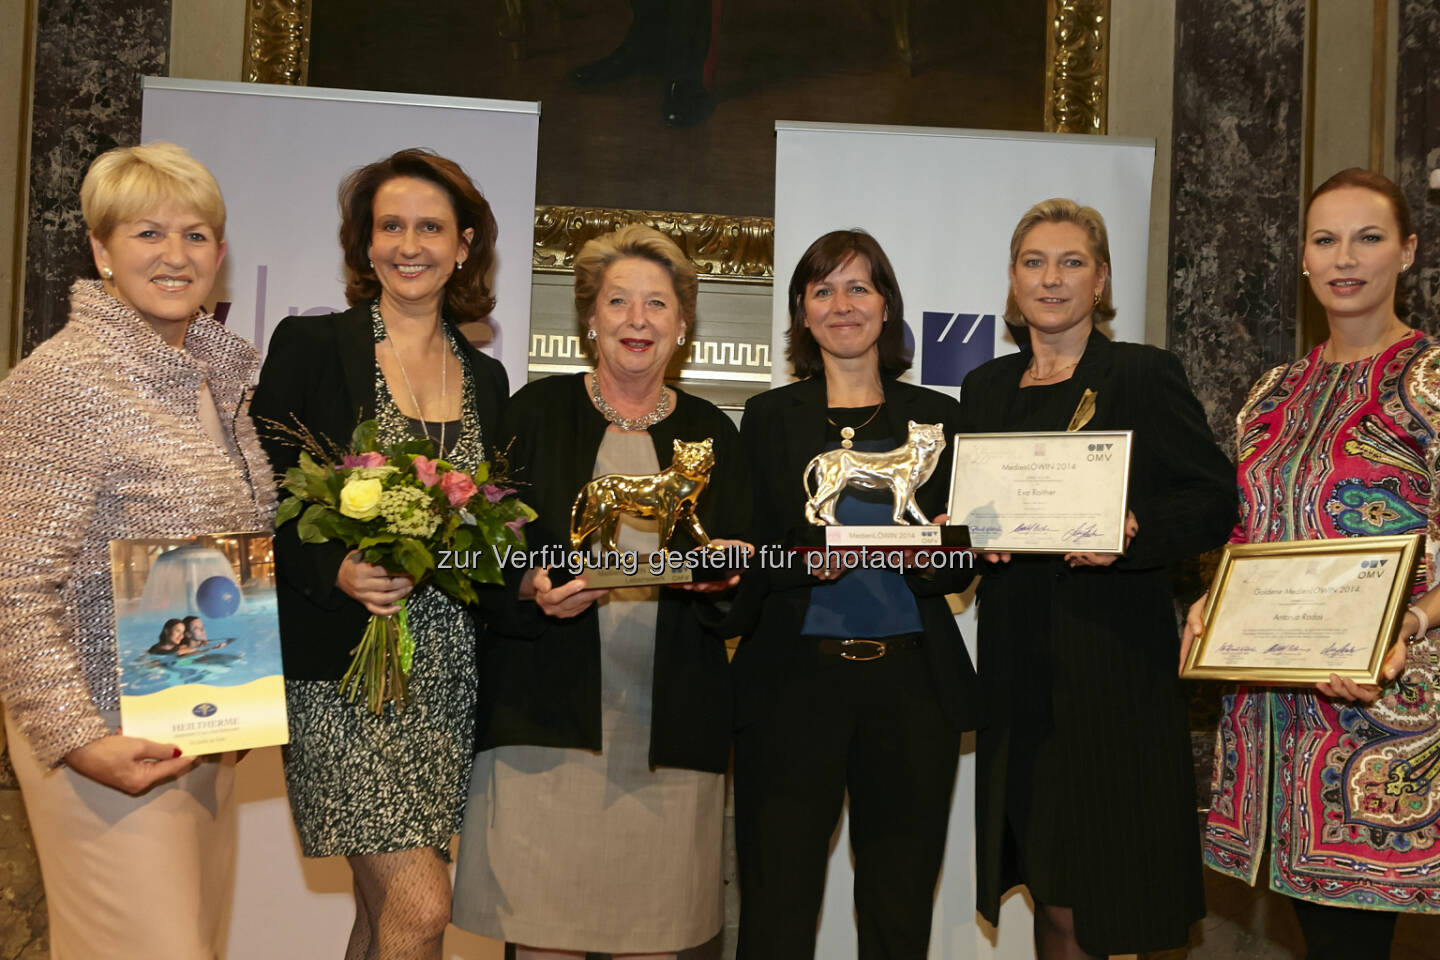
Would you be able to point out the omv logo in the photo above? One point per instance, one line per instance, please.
(954, 344)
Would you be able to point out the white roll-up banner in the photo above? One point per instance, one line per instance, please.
(942, 204)
(279, 154)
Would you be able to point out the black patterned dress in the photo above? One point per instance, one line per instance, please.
(362, 784)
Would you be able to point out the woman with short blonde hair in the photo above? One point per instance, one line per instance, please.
(140, 398)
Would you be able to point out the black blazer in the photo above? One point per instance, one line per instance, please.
(1122, 746)
(782, 430)
(320, 372)
(546, 691)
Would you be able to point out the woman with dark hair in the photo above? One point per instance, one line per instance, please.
(1342, 442)
(857, 683)
(172, 637)
(385, 791)
(1084, 790)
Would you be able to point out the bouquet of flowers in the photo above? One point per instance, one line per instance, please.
(405, 510)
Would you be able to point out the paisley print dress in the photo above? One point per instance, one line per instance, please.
(1350, 792)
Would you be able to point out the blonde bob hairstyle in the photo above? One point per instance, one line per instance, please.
(645, 243)
(1062, 210)
(127, 183)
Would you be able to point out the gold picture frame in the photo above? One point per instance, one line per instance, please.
(725, 247)
(1294, 613)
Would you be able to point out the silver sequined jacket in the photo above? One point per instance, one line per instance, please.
(101, 439)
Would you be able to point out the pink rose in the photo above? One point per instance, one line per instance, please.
(494, 494)
(458, 487)
(427, 470)
(371, 459)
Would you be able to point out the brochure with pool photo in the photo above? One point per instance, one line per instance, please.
(199, 641)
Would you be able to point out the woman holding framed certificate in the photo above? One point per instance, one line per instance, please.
(1341, 443)
(1084, 783)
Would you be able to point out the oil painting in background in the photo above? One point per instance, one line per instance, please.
(199, 641)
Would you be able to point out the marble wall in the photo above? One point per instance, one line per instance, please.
(1235, 177)
(1417, 150)
(89, 58)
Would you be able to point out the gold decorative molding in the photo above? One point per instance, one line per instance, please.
(721, 247)
(1077, 65)
(277, 41)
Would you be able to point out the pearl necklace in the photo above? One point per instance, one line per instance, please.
(444, 368)
(639, 423)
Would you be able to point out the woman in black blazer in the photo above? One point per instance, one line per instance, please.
(385, 791)
(815, 718)
(1085, 790)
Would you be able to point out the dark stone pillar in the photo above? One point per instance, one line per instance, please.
(89, 58)
(1417, 151)
(1235, 175)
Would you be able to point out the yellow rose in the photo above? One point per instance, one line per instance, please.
(360, 498)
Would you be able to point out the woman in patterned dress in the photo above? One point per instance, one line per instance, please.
(1342, 443)
(385, 791)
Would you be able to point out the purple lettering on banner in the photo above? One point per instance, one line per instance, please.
(955, 344)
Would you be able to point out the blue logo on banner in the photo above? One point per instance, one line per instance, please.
(955, 344)
(203, 709)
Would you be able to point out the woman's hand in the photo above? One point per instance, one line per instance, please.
(129, 764)
(1343, 688)
(1194, 626)
(718, 586)
(567, 600)
(1132, 527)
(372, 585)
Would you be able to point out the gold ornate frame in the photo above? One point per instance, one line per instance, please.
(1077, 66)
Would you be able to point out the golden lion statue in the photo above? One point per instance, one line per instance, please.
(902, 471)
(668, 496)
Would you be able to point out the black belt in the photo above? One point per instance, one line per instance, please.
(866, 648)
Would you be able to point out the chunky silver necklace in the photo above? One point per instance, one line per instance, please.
(444, 367)
(639, 423)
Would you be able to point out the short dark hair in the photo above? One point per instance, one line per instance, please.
(467, 292)
(1374, 182)
(824, 257)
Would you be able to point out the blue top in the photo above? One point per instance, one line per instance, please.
(863, 602)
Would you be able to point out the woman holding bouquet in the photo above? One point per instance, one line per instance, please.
(385, 791)
(1342, 442)
(596, 807)
(126, 424)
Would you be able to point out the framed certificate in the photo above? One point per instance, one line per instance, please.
(1042, 492)
(1294, 613)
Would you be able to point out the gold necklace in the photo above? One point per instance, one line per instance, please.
(847, 434)
(1030, 371)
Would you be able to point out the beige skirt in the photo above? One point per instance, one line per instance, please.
(131, 878)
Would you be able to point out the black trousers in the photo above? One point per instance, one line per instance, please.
(875, 729)
(1344, 933)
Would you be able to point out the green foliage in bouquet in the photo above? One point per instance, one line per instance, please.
(402, 509)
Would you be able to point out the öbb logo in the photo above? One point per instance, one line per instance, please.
(1370, 569)
(1099, 452)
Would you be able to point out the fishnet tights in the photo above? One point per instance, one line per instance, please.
(402, 904)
